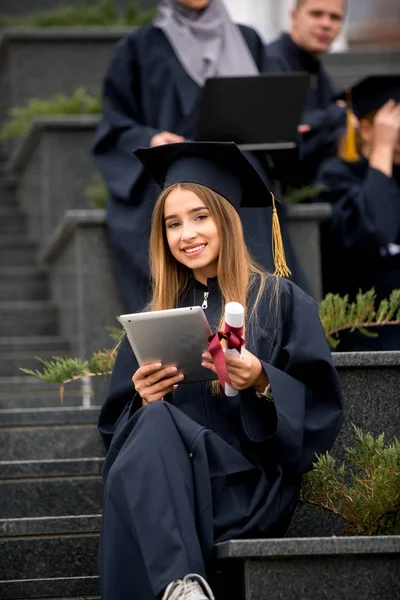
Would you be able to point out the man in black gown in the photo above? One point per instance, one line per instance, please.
(315, 24)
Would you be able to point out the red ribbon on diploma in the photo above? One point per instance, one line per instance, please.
(234, 341)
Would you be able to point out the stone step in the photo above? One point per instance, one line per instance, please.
(29, 392)
(23, 283)
(338, 568)
(63, 415)
(62, 588)
(44, 442)
(20, 352)
(16, 252)
(12, 224)
(50, 495)
(7, 192)
(33, 318)
(36, 557)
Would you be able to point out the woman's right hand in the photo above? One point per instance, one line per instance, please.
(387, 125)
(152, 382)
(165, 137)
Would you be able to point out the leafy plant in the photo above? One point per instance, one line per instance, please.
(364, 490)
(339, 314)
(96, 192)
(303, 194)
(20, 119)
(104, 14)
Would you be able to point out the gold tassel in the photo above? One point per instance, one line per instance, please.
(278, 252)
(348, 147)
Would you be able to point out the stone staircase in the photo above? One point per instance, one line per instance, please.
(50, 453)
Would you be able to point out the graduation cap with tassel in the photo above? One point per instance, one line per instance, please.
(366, 96)
(222, 167)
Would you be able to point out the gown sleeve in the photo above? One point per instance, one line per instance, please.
(307, 409)
(121, 128)
(365, 209)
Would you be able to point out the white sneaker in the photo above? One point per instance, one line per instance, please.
(191, 587)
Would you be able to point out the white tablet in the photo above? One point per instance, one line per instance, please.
(173, 337)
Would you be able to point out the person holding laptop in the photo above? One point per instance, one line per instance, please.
(315, 24)
(188, 466)
(151, 93)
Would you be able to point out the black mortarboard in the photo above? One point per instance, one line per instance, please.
(220, 166)
(367, 95)
(373, 92)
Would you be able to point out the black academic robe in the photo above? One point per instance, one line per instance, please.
(356, 244)
(321, 113)
(146, 91)
(196, 469)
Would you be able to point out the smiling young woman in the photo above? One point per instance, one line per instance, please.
(188, 466)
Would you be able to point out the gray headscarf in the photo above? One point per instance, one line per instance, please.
(206, 42)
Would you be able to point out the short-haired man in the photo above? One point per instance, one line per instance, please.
(315, 24)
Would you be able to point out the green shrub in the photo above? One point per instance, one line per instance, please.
(20, 118)
(364, 490)
(96, 192)
(104, 14)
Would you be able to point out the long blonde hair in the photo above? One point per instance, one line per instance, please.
(238, 274)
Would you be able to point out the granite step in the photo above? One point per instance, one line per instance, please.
(44, 442)
(30, 392)
(57, 588)
(7, 192)
(33, 318)
(23, 283)
(20, 352)
(12, 223)
(50, 488)
(49, 548)
(16, 251)
(62, 415)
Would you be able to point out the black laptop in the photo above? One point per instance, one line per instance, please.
(259, 112)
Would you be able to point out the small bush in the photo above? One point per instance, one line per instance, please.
(20, 118)
(364, 491)
(96, 192)
(104, 14)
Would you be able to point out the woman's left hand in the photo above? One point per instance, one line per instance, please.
(244, 372)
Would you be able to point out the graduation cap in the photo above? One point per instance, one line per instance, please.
(368, 95)
(221, 167)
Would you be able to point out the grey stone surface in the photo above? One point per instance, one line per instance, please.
(318, 578)
(17, 318)
(27, 392)
(314, 522)
(40, 63)
(20, 352)
(19, 7)
(82, 282)
(23, 283)
(346, 68)
(39, 557)
(50, 525)
(61, 467)
(54, 166)
(63, 415)
(34, 497)
(48, 442)
(367, 359)
(372, 396)
(304, 229)
(78, 588)
(316, 546)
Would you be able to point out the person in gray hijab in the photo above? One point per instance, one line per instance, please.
(151, 92)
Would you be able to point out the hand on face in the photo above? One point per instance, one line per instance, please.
(386, 127)
(244, 373)
(165, 137)
(152, 382)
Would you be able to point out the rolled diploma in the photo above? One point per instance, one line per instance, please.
(234, 317)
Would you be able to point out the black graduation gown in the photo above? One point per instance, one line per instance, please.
(196, 469)
(365, 220)
(146, 90)
(326, 119)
